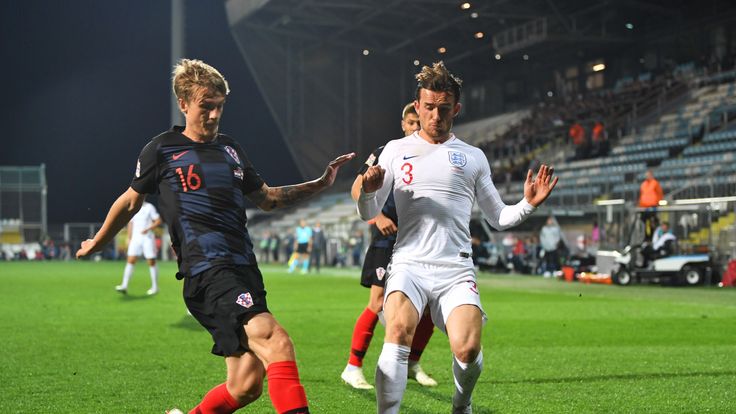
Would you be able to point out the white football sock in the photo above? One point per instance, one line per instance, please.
(153, 270)
(391, 376)
(466, 375)
(127, 274)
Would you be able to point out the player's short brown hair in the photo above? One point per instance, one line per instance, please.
(189, 74)
(438, 79)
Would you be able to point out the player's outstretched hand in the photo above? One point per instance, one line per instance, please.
(373, 179)
(88, 247)
(331, 171)
(538, 189)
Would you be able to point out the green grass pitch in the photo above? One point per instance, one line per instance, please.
(71, 344)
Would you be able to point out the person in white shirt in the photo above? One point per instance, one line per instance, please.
(142, 241)
(662, 245)
(436, 178)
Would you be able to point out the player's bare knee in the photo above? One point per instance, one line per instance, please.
(280, 347)
(466, 352)
(375, 305)
(399, 333)
(245, 392)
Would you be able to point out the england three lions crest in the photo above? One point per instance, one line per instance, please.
(457, 159)
(234, 154)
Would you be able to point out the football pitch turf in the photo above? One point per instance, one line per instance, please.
(71, 344)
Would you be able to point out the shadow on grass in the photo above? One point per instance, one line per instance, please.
(187, 322)
(643, 376)
(131, 298)
(370, 395)
(442, 397)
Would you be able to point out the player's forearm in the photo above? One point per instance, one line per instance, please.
(368, 206)
(355, 189)
(155, 224)
(514, 215)
(122, 210)
(288, 195)
(502, 216)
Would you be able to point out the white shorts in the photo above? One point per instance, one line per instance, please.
(442, 288)
(145, 246)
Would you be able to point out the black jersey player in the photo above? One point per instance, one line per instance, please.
(203, 178)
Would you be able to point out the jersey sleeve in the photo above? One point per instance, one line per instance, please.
(496, 212)
(145, 180)
(371, 161)
(252, 181)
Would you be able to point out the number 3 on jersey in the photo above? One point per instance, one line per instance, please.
(191, 181)
(408, 176)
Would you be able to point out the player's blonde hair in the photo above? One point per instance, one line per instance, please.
(438, 79)
(189, 74)
(408, 109)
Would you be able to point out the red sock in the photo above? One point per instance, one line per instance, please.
(287, 393)
(217, 401)
(362, 335)
(424, 331)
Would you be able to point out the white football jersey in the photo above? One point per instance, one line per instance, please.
(143, 220)
(435, 186)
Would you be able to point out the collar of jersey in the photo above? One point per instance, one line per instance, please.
(416, 135)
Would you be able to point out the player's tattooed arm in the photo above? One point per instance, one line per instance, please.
(268, 198)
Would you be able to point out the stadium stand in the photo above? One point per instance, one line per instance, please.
(672, 144)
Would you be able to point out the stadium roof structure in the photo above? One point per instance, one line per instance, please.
(311, 56)
(419, 29)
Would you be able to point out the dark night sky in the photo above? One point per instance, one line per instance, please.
(86, 85)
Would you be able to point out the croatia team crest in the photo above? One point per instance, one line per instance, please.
(232, 153)
(457, 159)
(380, 273)
(245, 300)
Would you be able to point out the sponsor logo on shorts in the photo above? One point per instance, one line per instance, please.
(232, 153)
(380, 273)
(457, 159)
(245, 300)
(473, 287)
(238, 173)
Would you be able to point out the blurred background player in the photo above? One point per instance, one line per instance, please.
(203, 178)
(302, 247)
(142, 241)
(319, 245)
(383, 237)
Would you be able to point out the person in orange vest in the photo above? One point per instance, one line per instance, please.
(577, 134)
(650, 194)
(599, 139)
